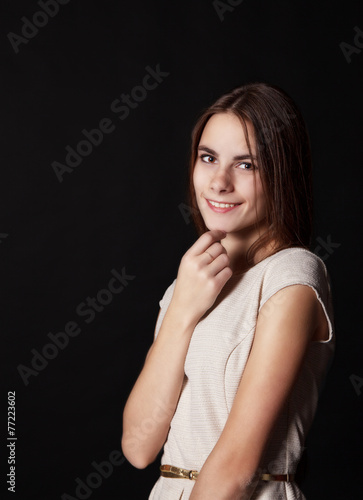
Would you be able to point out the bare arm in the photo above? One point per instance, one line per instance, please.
(286, 327)
(153, 399)
(152, 402)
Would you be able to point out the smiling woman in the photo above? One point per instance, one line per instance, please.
(276, 142)
(244, 335)
(226, 179)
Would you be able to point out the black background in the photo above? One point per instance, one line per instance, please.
(121, 208)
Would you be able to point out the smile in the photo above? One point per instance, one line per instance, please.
(221, 207)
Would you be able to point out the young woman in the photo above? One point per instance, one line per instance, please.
(244, 335)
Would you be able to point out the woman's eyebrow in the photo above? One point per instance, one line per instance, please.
(208, 150)
(235, 158)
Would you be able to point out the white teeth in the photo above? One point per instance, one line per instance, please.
(222, 205)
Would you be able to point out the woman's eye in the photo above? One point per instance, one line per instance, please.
(207, 158)
(245, 165)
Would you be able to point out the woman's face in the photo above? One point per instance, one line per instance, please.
(228, 191)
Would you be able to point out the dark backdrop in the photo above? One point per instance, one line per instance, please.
(110, 226)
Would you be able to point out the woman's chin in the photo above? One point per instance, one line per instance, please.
(219, 227)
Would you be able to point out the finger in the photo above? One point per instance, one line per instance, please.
(223, 276)
(206, 240)
(212, 252)
(216, 249)
(219, 263)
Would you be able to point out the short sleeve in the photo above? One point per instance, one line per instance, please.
(296, 266)
(164, 304)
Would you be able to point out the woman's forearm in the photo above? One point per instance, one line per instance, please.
(224, 478)
(202, 273)
(153, 399)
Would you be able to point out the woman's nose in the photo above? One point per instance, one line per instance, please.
(221, 181)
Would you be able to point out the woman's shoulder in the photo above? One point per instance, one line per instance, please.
(293, 266)
(296, 258)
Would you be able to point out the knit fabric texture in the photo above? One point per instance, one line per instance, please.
(215, 361)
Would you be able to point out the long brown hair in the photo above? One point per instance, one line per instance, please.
(283, 159)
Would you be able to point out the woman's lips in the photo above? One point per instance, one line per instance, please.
(223, 206)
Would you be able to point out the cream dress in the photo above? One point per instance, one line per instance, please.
(214, 365)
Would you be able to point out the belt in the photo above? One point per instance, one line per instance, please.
(177, 472)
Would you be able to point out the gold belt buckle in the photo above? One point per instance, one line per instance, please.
(193, 474)
(171, 471)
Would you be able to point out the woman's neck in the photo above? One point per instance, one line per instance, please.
(237, 246)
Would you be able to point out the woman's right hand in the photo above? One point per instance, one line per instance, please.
(203, 272)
